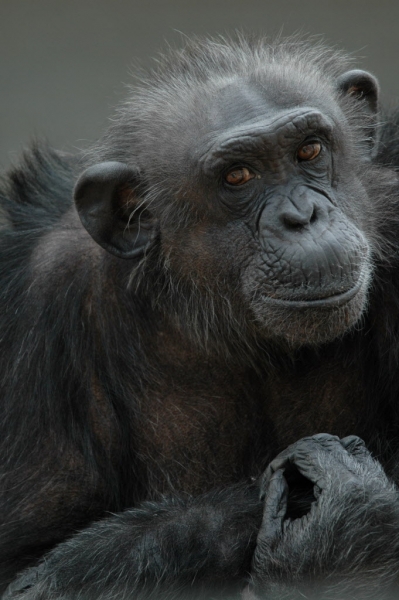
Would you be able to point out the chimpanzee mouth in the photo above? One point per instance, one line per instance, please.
(327, 301)
(344, 284)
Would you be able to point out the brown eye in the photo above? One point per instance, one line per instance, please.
(239, 176)
(309, 151)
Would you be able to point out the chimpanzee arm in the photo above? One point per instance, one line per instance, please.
(346, 544)
(170, 549)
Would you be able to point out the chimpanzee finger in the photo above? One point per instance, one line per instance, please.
(282, 461)
(306, 456)
(274, 511)
(357, 448)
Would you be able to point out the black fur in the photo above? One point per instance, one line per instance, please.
(142, 397)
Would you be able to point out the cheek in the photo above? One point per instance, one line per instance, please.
(209, 255)
(360, 210)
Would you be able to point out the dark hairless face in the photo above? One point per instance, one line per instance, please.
(270, 177)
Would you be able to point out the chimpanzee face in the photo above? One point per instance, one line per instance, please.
(275, 202)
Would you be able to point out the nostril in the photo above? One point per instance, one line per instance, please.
(313, 216)
(293, 224)
(296, 220)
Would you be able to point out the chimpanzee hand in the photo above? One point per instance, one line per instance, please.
(330, 525)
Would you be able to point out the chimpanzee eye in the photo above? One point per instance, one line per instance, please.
(309, 151)
(239, 176)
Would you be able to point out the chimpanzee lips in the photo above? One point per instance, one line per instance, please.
(326, 297)
(330, 300)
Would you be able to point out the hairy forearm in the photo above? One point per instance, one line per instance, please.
(174, 548)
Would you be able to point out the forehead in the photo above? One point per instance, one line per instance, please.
(242, 101)
(246, 101)
(237, 103)
(257, 118)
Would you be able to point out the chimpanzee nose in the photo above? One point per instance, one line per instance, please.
(300, 210)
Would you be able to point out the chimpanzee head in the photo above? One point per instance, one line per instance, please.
(245, 167)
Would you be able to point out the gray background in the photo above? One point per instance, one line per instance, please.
(63, 64)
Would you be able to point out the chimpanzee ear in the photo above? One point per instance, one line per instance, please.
(111, 209)
(361, 85)
(364, 87)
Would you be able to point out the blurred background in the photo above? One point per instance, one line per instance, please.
(64, 63)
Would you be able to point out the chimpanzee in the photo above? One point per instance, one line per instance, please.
(214, 280)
